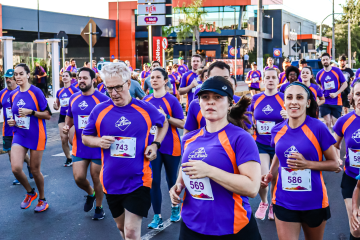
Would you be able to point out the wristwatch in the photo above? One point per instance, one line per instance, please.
(33, 113)
(168, 116)
(157, 144)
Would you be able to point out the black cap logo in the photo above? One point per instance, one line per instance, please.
(224, 88)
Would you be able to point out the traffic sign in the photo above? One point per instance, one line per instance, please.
(96, 32)
(239, 42)
(62, 35)
(152, 9)
(296, 47)
(165, 43)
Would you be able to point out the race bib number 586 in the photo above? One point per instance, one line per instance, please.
(296, 179)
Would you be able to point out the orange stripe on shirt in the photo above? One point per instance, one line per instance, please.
(71, 91)
(198, 119)
(347, 123)
(240, 214)
(3, 95)
(193, 138)
(176, 138)
(258, 101)
(275, 188)
(1, 99)
(280, 134)
(42, 135)
(187, 99)
(95, 99)
(314, 91)
(321, 76)
(101, 87)
(280, 101)
(72, 102)
(74, 147)
(339, 99)
(147, 178)
(13, 97)
(310, 135)
(148, 99)
(282, 78)
(61, 91)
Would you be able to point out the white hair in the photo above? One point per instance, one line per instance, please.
(117, 69)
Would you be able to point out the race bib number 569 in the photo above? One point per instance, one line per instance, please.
(198, 188)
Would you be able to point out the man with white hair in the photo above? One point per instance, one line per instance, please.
(121, 128)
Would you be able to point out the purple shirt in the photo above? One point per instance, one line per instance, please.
(316, 90)
(144, 74)
(274, 66)
(186, 80)
(357, 74)
(310, 139)
(95, 70)
(71, 69)
(123, 174)
(282, 78)
(254, 75)
(183, 69)
(171, 106)
(331, 82)
(76, 85)
(6, 106)
(283, 87)
(102, 88)
(355, 80)
(266, 110)
(348, 127)
(32, 135)
(131, 69)
(234, 146)
(79, 110)
(63, 95)
(172, 79)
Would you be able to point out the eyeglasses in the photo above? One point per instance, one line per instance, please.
(117, 88)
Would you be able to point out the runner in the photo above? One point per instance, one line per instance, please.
(270, 63)
(169, 153)
(29, 107)
(333, 83)
(129, 66)
(224, 185)
(94, 67)
(81, 105)
(72, 68)
(202, 76)
(62, 101)
(144, 74)
(101, 87)
(282, 76)
(74, 81)
(175, 68)
(121, 127)
(348, 128)
(349, 76)
(135, 88)
(190, 80)
(183, 68)
(302, 63)
(292, 75)
(267, 108)
(307, 77)
(147, 85)
(7, 131)
(300, 198)
(174, 80)
(253, 78)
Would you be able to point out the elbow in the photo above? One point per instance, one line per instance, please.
(181, 125)
(48, 117)
(84, 138)
(254, 191)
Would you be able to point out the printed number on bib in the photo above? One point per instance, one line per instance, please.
(64, 102)
(295, 179)
(8, 113)
(198, 188)
(264, 127)
(124, 147)
(329, 85)
(354, 157)
(22, 122)
(83, 121)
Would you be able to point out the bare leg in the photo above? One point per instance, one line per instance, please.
(265, 162)
(333, 120)
(252, 92)
(95, 175)
(328, 121)
(120, 222)
(35, 164)
(287, 230)
(17, 162)
(314, 233)
(64, 141)
(80, 171)
(27, 159)
(348, 205)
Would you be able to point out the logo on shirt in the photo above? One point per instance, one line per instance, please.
(356, 136)
(328, 78)
(122, 123)
(8, 100)
(267, 109)
(64, 95)
(255, 75)
(198, 154)
(20, 103)
(290, 150)
(83, 105)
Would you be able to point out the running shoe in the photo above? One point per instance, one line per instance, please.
(157, 222)
(41, 206)
(30, 174)
(68, 162)
(271, 213)
(261, 212)
(28, 199)
(16, 182)
(99, 213)
(90, 203)
(175, 214)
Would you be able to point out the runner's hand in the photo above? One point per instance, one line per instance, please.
(66, 129)
(150, 152)
(333, 95)
(106, 141)
(196, 169)
(11, 122)
(284, 114)
(355, 223)
(194, 83)
(265, 179)
(23, 112)
(297, 161)
(56, 107)
(175, 192)
(162, 111)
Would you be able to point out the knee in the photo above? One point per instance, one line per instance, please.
(356, 233)
(16, 169)
(79, 179)
(130, 233)
(120, 227)
(35, 170)
(64, 139)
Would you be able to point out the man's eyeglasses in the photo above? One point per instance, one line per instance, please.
(117, 88)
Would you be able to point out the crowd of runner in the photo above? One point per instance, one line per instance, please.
(125, 125)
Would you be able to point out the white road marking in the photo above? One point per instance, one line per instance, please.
(154, 232)
(59, 155)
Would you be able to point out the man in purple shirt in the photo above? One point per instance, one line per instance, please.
(72, 67)
(183, 68)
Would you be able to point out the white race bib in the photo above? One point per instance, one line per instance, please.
(64, 102)
(198, 188)
(264, 127)
(82, 121)
(124, 147)
(194, 89)
(296, 180)
(22, 122)
(354, 157)
(329, 85)
(255, 79)
(9, 112)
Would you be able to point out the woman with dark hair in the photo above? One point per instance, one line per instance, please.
(215, 204)
(169, 153)
(300, 198)
(30, 109)
(309, 81)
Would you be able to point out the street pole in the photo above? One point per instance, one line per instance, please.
(235, 70)
(259, 37)
(150, 41)
(63, 52)
(349, 44)
(333, 32)
(118, 31)
(90, 43)
(38, 18)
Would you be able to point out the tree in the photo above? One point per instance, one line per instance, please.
(324, 29)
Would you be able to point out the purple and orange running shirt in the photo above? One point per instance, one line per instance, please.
(348, 127)
(357, 74)
(102, 88)
(254, 75)
(282, 78)
(316, 90)
(330, 83)
(266, 110)
(76, 85)
(79, 110)
(29, 131)
(283, 87)
(71, 69)
(301, 189)
(171, 106)
(354, 81)
(145, 74)
(5, 104)
(95, 70)
(186, 80)
(64, 95)
(131, 69)
(172, 78)
(201, 213)
(182, 69)
(124, 166)
(274, 66)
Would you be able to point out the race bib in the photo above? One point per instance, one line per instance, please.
(64, 102)
(153, 130)
(22, 122)
(194, 89)
(198, 188)
(82, 121)
(296, 180)
(354, 157)
(8, 112)
(264, 127)
(255, 79)
(329, 85)
(124, 147)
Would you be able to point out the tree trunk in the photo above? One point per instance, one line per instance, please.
(193, 46)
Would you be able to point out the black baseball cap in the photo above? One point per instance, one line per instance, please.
(219, 85)
(303, 61)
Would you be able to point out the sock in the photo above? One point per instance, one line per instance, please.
(44, 199)
(353, 238)
(92, 195)
(32, 191)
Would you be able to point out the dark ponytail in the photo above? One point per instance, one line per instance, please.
(23, 65)
(237, 113)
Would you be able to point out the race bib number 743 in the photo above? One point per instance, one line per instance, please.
(124, 147)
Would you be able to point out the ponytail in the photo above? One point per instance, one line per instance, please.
(237, 113)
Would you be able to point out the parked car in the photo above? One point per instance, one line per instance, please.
(316, 65)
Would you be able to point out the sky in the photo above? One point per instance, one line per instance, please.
(314, 10)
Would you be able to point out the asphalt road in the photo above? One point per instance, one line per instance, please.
(66, 219)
